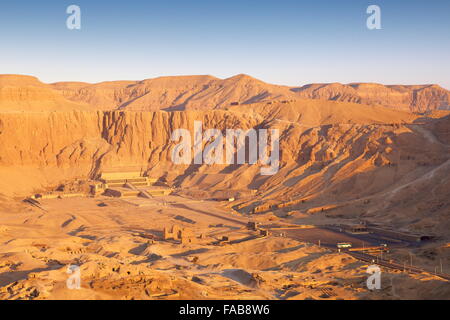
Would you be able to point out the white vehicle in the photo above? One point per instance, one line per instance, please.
(343, 245)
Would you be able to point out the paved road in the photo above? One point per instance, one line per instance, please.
(393, 265)
(224, 216)
(329, 237)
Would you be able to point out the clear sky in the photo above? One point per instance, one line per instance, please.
(278, 41)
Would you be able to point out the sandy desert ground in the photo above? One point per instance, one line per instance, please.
(120, 259)
(349, 154)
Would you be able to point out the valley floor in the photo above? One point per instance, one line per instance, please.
(120, 248)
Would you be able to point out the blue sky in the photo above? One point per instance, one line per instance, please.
(283, 42)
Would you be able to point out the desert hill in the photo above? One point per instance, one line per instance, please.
(174, 93)
(204, 93)
(418, 98)
(347, 153)
(26, 93)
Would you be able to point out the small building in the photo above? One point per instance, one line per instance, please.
(358, 228)
(264, 233)
(97, 188)
(252, 225)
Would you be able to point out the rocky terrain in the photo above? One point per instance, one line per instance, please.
(357, 152)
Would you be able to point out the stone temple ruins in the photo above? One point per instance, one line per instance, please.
(128, 184)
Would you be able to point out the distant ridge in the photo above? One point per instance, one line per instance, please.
(416, 98)
(204, 92)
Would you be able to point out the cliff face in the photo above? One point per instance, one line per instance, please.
(84, 140)
(430, 98)
(327, 161)
(49, 147)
